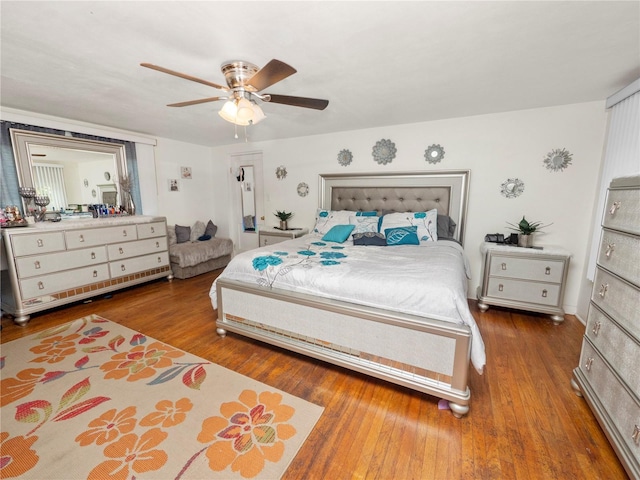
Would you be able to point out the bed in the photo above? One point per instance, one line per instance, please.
(398, 313)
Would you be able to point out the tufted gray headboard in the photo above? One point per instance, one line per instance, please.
(446, 191)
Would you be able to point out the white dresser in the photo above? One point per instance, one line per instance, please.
(51, 264)
(269, 236)
(524, 278)
(608, 375)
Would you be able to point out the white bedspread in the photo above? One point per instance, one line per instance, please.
(429, 280)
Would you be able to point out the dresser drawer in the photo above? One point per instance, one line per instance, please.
(620, 254)
(155, 229)
(540, 269)
(619, 349)
(139, 247)
(55, 262)
(622, 210)
(37, 243)
(138, 264)
(617, 299)
(100, 236)
(524, 291)
(58, 282)
(621, 406)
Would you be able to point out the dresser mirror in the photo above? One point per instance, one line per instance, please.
(68, 170)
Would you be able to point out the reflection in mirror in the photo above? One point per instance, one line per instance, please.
(68, 170)
(247, 190)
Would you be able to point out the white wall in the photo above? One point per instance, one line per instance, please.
(494, 147)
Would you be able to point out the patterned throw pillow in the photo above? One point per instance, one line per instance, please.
(426, 223)
(364, 224)
(402, 236)
(325, 219)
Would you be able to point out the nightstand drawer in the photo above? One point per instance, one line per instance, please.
(528, 268)
(271, 239)
(523, 291)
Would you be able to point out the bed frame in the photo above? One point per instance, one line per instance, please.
(425, 354)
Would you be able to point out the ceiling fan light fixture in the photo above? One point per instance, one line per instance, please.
(242, 112)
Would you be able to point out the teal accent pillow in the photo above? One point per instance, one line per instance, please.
(367, 214)
(338, 233)
(402, 236)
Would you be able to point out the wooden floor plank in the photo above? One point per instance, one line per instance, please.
(525, 421)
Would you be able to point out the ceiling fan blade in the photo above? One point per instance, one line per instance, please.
(271, 73)
(196, 102)
(305, 102)
(183, 75)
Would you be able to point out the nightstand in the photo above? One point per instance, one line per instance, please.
(269, 235)
(524, 278)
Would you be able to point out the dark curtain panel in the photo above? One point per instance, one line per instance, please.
(9, 182)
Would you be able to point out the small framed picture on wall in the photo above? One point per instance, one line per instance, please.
(173, 185)
(185, 172)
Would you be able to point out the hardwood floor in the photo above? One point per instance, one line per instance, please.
(525, 421)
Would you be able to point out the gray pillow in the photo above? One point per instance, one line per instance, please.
(446, 226)
(182, 234)
(211, 229)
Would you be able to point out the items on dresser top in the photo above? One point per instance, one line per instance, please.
(52, 264)
(609, 371)
(524, 278)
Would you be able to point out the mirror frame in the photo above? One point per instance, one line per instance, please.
(22, 139)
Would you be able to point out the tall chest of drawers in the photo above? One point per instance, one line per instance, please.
(49, 265)
(608, 375)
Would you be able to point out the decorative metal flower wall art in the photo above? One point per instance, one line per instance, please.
(557, 160)
(512, 188)
(345, 157)
(281, 172)
(384, 151)
(303, 189)
(434, 154)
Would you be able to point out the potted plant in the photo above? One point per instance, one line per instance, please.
(526, 230)
(283, 216)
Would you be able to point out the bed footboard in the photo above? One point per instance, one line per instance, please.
(427, 355)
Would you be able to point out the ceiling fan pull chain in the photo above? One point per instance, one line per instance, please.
(235, 128)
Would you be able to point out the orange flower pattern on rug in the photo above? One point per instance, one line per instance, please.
(132, 441)
(248, 433)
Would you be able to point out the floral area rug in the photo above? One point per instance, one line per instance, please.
(94, 399)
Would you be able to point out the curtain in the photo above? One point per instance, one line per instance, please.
(621, 158)
(9, 182)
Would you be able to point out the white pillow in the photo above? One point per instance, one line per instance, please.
(197, 230)
(326, 219)
(427, 223)
(364, 224)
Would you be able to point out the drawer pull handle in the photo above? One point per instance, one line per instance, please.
(40, 286)
(93, 255)
(159, 259)
(124, 233)
(504, 266)
(120, 250)
(614, 207)
(547, 271)
(500, 287)
(596, 328)
(636, 434)
(95, 273)
(544, 293)
(122, 267)
(81, 238)
(153, 230)
(40, 243)
(36, 264)
(157, 244)
(588, 364)
(603, 290)
(610, 248)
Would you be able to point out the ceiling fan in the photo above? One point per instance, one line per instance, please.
(244, 81)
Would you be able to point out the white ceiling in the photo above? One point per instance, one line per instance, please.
(378, 63)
